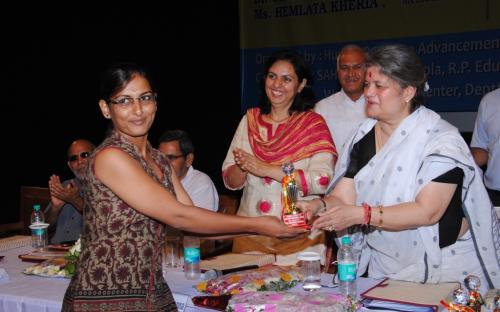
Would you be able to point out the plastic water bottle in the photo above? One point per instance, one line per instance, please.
(192, 257)
(38, 228)
(347, 268)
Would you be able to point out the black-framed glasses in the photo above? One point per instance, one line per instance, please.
(125, 101)
(174, 157)
(82, 155)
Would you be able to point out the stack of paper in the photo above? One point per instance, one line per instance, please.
(234, 260)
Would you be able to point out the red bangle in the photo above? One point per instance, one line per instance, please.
(368, 213)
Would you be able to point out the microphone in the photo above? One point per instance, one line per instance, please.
(211, 274)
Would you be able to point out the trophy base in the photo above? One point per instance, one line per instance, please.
(295, 220)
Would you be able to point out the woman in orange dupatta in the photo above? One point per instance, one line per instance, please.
(282, 129)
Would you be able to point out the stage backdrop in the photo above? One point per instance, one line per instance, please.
(458, 40)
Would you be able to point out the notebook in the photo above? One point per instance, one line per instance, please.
(234, 260)
(408, 296)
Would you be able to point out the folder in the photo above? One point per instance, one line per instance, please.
(408, 296)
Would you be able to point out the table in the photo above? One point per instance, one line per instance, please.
(31, 293)
(26, 292)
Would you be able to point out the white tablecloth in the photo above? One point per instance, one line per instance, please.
(28, 293)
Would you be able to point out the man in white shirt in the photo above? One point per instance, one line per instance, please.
(345, 110)
(179, 149)
(485, 143)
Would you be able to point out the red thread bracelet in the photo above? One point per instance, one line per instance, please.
(367, 214)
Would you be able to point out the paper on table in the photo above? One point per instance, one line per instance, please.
(234, 260)
(409, 293)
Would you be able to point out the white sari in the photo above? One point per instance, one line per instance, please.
(422, 148)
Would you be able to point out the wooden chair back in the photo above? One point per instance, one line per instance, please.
(228, 204)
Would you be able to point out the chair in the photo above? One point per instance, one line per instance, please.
(31, 195)
(228, 204)
(331, 253)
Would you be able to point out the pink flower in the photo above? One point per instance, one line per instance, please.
(268, 180)
(265, 206)
(323, 180)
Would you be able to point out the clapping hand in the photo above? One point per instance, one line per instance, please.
(61, 194)
(249, 163)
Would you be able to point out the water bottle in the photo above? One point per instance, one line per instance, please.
(38, 228)
(191, 257)
(347, 268)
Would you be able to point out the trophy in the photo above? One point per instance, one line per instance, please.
(291, 215)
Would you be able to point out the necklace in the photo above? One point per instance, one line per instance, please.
(278, 121)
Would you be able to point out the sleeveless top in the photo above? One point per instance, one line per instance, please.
(119, 268)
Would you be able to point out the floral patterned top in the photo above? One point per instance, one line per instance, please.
(120, 264)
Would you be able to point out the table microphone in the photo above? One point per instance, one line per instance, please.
(211, 274)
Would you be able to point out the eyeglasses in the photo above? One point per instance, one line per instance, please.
(126, 101)
(82, 155)
(174, 157)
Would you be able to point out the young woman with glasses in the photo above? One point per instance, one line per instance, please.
(131, 193)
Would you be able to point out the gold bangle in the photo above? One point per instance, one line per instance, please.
(380, 215)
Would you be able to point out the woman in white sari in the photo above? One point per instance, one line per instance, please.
(409, 177)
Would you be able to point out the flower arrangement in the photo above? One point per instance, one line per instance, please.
(267, 278)
(71, 257)
(290, 302)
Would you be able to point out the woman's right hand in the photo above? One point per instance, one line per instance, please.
(309, 207)
(273, 226)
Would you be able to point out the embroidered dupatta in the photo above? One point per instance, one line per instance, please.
(304, 135)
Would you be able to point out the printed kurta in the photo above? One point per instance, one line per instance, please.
(119, 268)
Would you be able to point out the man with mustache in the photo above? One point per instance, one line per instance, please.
(345, 110)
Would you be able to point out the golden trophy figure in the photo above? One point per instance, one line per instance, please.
(291, 215)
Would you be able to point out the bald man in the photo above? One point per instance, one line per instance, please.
(66, 204)
(345, 110)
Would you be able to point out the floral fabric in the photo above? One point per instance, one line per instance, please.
(120, 265)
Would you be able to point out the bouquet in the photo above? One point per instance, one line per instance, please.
(71, 257)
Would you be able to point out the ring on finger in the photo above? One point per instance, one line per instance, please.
(330, 228)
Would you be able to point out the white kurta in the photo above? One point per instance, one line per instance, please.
(342, 115)
(262, 196)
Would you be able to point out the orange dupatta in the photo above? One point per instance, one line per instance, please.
(302, 136)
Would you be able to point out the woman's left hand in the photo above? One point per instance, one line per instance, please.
(339, 218)
(250, 163)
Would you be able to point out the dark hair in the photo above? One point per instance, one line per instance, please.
(116, 77)
(305, 99)
(401, 63)
(185, 143)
